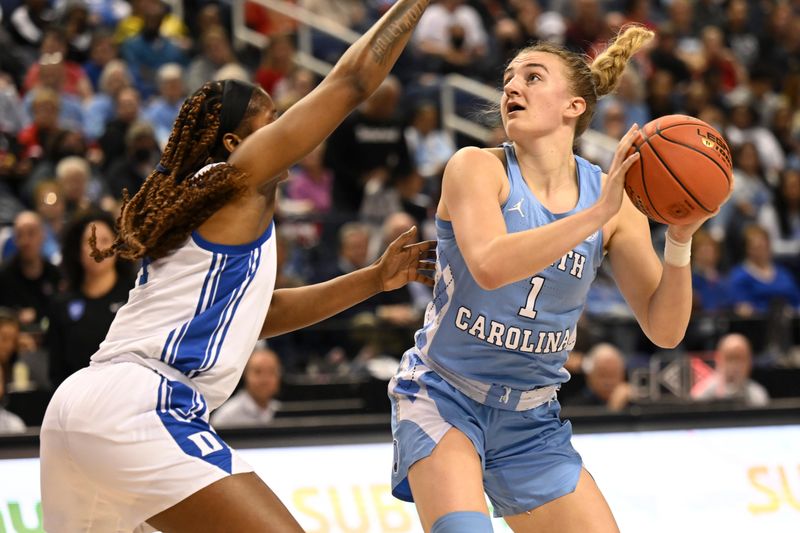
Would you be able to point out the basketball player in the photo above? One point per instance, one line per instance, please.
(127, 440)
(521, 231)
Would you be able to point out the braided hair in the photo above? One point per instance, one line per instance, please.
(175, 198)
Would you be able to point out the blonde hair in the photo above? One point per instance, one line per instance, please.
(592, 80)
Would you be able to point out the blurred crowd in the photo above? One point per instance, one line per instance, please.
(89, 90)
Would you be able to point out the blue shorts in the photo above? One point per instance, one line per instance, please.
(527, 456)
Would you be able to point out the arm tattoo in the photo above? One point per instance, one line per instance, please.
(396, 25)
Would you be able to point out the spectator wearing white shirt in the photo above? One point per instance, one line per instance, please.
(255, 404)
(451, 38)
(731, 379)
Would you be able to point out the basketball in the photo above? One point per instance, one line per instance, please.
(684, 171)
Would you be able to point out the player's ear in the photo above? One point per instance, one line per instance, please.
(575, 107)
(230, 141)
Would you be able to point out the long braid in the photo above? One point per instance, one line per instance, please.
(170, 205)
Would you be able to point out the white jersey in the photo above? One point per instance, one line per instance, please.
(198, 311)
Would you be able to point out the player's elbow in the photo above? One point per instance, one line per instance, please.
(667, 340)
(486, 276)
(353, 79)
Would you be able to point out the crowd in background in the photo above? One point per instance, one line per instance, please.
(89, 90)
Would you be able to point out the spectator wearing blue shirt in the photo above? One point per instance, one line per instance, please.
(162, 111)
(710, 289)
(149, 50)
(102, 51)
(758, 282)
(101, 108)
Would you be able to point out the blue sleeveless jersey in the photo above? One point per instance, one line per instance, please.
(515, 338)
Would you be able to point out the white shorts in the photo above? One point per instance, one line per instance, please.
(121, 443)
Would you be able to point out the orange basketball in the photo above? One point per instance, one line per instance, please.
(684, 172)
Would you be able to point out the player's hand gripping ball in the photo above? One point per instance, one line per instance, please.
(684, 172)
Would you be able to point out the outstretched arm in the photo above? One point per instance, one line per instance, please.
(292, 309)
(274, 148)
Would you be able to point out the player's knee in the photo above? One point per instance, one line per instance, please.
(462, 521)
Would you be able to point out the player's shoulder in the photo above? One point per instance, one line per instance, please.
(472, 159)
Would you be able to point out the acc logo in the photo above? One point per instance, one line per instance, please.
(707, 143)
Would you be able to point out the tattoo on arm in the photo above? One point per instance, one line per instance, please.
(394, 27)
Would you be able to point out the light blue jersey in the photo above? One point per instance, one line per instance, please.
(496, 345)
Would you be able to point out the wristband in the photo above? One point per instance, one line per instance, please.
(677, 254)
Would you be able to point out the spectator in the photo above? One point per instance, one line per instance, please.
(630, 96)
(731, 378)
(9, 422)
(12, 114)
(587, 27)
(744, 128)
(102, 51)
(80, 190)
(291, 89)
(353, 253)
(430, 146)
(28, 22)
(101, 108)
(55, 70)
(715, 63)
(710, 290)
(63, 144)
(311, 183)
(664, 56)
(77, 28)
(750, 193)
(95, 291)
(215, 52)
(148, 50)
(163, 109)
(738, 35)
(9, 343)
(113, 140)
(451, 38)
(606, 385)
(758, 283)
(141, 157)
(277, 62)
(28, 282)
(782, 219)
(170, 26)
(45, 108)
(369, 145)
(255, 404)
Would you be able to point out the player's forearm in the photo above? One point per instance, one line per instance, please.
(371, 57)
(670, 307)
(293, 309)
(515, 256)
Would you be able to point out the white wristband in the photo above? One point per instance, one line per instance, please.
(676, 253)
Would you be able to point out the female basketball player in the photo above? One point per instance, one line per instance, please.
(521, 232)
(127, 440)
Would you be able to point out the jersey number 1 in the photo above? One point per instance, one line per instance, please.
(528, 311)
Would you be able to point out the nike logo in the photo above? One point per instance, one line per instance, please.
(517, 207)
